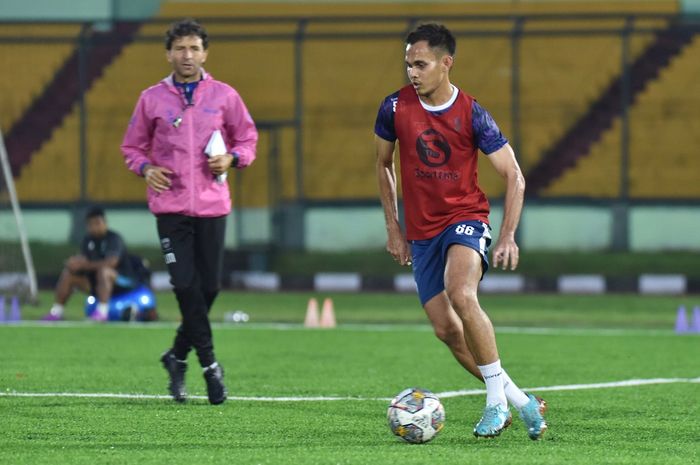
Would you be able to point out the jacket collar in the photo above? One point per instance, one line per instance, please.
(170, 82)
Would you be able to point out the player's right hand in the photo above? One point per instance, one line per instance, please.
(397, 246)
(157, 177)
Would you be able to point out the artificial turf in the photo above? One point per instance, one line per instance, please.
(364, 363)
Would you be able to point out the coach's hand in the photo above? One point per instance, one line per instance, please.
(397, 246)
(506, 253)
(219, 164)
(157, 177)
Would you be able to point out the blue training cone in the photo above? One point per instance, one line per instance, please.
(695, 321)
(15, 314)
(2, 308)
(681, 321)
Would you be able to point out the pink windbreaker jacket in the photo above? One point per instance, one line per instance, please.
(166, 132)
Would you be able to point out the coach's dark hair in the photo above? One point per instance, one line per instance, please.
(184, 28)
(94, 212)
(437, 36)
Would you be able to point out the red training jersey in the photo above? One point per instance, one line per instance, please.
(438, 165)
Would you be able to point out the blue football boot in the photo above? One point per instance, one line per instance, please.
(496, 418)
(533, 416)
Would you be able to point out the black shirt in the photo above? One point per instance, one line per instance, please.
(110, 245)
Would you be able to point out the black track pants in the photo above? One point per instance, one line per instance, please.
(193, 250)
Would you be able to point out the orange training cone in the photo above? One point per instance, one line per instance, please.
(328, 314)
(311, 320)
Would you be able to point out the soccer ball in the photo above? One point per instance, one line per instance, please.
(416, 415)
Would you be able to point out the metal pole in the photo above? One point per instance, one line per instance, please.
(238, 204)
(515, 38)
(515, 99)
(82, 83)
(19, 221)
(293, 223)
(275, 181)
(78, 210)
(299, 106)
(625, 101)
(620, 239)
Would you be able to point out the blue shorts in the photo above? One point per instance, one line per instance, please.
(429, 256)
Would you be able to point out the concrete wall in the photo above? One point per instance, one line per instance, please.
(543, 227)
(691, 7)
(667, 228)
(77, 10)
(505, 2)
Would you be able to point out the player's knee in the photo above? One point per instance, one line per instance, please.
(462, 300)
(105, 273)
(67, 273)
(449, 333)
(185, 289)
(211, 290)
(188, 297)
(209, 296)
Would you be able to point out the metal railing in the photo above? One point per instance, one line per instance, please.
(301, 31)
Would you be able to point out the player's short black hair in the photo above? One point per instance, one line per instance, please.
(437, 36)
(94, 212)
(184, 28)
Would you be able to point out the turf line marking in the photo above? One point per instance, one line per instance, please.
(579, 387)
(444, 395)
(361, 327)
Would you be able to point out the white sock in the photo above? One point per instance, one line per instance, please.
(493, 377)
(212, 366)
(56, 310)
(102, 308)
(515, 396)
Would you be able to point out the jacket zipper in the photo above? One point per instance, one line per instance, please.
(193, 188)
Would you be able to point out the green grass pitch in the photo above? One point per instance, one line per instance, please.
(593, 340)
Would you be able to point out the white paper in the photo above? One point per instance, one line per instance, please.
(216, 146)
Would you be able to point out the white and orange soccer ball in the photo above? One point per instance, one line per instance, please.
(416, 415)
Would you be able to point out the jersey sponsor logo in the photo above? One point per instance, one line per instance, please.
(440, 175)
(170, 258)
(433, 148)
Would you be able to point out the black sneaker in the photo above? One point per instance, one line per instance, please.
(214, 376)
(176, 371)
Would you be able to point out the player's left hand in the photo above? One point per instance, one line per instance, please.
(506, 253)
(219, 164)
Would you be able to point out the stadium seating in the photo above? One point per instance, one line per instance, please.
(665, 128)
(664, 131)
(32, 64)
(344, 82)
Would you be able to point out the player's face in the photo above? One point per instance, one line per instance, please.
(186, 56)
(427, 68)
(96, 226)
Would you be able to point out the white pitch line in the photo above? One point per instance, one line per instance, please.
(578, 387)
(108, 395)
(443, 395)
(361, 327)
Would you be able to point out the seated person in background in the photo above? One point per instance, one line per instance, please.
(103, 263)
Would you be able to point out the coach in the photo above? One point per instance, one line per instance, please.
(165, 142)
